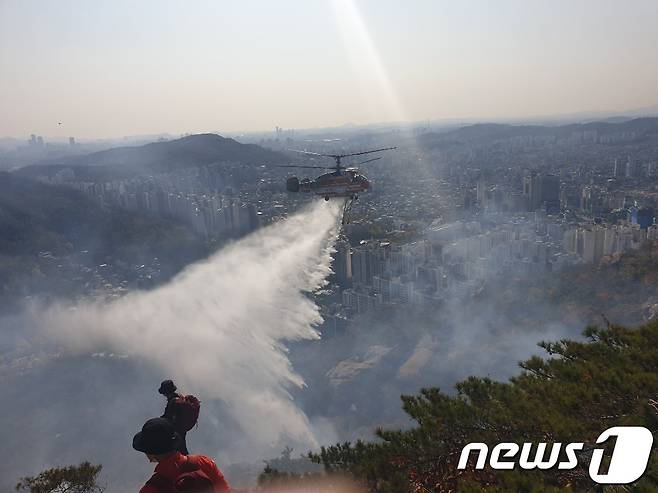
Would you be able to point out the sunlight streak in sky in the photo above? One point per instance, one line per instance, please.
(367, 62)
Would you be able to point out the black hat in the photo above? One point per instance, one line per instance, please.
(157, 437)
(167, 387)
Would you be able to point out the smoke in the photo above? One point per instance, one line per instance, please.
(221, 330)
(219, 327)
(358, 376)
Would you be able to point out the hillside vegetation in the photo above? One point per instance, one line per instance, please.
(580, 390)
(43, 226)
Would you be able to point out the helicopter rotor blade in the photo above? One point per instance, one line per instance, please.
(309, 153)
(366, 161)
(301, 166)
(364, 152)
(337, 157)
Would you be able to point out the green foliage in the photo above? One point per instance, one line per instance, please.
(82, 478)
(273, 477)
(581, 390)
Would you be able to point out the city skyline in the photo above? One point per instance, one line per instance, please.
(168, 67)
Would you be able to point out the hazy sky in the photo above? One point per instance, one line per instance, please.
(115, 67)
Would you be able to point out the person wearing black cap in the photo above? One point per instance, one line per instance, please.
(175, 471)
(168, 390)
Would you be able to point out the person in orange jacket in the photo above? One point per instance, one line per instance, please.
(175, 471)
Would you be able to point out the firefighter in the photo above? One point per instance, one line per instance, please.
(175, 471)
(178, 413)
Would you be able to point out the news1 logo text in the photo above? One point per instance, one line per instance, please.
(628, 462)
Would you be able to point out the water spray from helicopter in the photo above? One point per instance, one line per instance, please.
(219, 328)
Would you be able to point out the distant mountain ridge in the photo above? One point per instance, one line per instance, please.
(157, 157)
(483, 132)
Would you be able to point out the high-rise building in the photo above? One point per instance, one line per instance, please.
(593, 244)
(629, 168)
(531, 190)
(361, 265)
(550, 193)
(542, 191)
(481, 191)
(343, 263)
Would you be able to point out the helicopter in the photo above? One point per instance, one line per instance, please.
(344, 181)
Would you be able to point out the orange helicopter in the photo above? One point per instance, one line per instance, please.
(343, 181)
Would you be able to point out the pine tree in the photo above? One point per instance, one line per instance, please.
(82, 478)
(580, 390)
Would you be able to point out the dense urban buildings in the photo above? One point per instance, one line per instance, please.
(447, 212)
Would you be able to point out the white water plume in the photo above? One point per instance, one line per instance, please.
(218, 328)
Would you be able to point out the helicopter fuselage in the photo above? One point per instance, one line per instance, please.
(346, 183)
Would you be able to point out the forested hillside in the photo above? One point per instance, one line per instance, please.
(45, 229)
